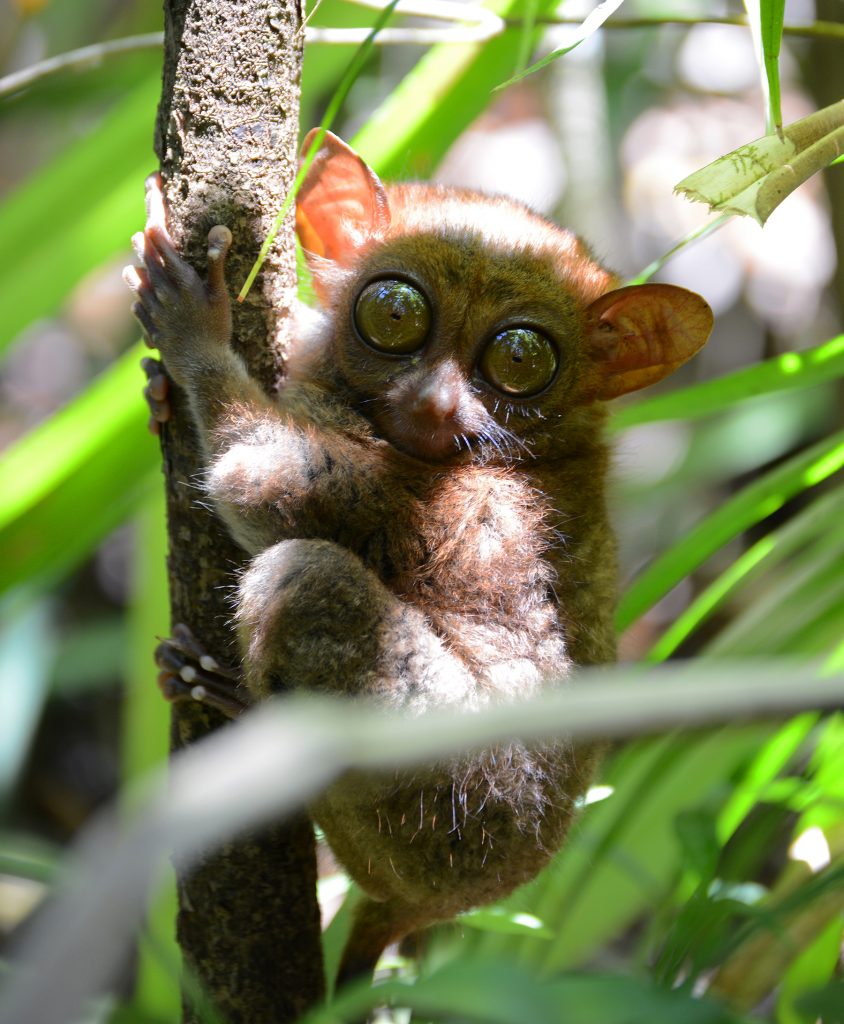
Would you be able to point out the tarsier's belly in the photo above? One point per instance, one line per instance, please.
(471, 830)
(449, 839)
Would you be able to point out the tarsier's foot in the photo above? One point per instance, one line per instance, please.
(189, 673)
(156, 392)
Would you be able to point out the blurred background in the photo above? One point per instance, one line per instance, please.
(596, 141)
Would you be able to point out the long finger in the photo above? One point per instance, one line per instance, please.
(147, 326)
(154, 200)
(219, 243)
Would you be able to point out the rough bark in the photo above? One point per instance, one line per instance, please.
(226, 138)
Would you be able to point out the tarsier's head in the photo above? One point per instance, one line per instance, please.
(465, 326)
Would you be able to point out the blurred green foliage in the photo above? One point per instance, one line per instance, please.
(678, 880)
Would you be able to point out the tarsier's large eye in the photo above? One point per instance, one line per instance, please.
(393, 316)
(519, 361)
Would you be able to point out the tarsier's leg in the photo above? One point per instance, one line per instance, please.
(312, 617)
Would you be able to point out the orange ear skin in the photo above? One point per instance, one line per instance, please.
(637, 335)
(341, 203)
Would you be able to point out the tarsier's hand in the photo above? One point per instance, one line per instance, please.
(180, 314)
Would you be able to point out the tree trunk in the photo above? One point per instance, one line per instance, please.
(226, 138)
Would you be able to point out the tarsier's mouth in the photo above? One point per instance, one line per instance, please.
(452, 447)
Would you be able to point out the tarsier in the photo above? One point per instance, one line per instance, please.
(423, 503)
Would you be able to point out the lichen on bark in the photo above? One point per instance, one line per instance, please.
(226, 138)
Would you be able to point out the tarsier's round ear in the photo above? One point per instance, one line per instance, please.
(635, 336)
(341, 202)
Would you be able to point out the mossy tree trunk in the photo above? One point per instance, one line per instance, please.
(226, 138)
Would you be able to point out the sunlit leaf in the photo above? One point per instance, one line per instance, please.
(766, 21)
(827, 1003)
(590, 26)
(506, 922)
(792, 370)
(755, 178)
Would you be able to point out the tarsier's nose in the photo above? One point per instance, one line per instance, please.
(438, 396)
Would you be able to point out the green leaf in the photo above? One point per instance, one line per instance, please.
(771, 758)
(819, 519)
(773, 622)
(790, 371)
(75, 213)
(497, 992)
(757, 501)
(502, 921)
(827, 1003)
(145, 745)
(590, 26)
(73, 479)
(755, 178)
(699, 841)
(766, 21)
(814, 966)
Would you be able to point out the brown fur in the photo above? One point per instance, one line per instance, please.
(420, 538)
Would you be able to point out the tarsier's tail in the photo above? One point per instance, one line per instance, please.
(374, 927)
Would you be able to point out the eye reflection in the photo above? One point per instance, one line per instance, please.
(519, 361)
(393, 316)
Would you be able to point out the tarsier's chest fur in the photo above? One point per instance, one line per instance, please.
(424, 503)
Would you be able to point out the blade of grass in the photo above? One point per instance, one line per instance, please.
(757, 501)
(696, 235)
(527, 37)
(766, 19)
(770, 760)
(776, 615)
(821, 516)
(589, 27)
(791, 370)
(812, 968)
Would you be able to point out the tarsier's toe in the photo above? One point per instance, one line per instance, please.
(142, 315)
(188, 673)
(155, 392)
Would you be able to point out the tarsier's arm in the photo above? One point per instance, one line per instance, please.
(274, 469)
